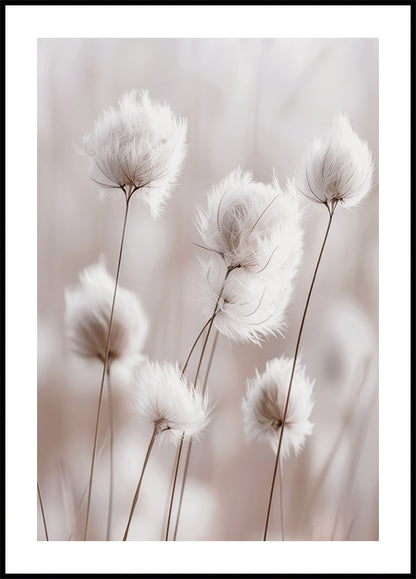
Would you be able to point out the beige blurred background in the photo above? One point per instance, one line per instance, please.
(253, 103)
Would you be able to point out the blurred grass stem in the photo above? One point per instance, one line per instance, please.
(331, 210)
(43, 513)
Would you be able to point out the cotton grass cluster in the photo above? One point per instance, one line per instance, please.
(138, 147)
(339, 167)
(254, 237)
(163, 397)
(87, 316)
(264, 405)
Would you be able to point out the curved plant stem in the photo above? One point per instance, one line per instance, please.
(174, 486)
(107, 350)
(43, 513)
(266, 526)
(156, 431)
(211, 321)
(111, 421)
(188, 455)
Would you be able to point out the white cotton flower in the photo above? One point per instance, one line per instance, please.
(87, 316)
(250, 308)
(251, 225)
(339, 167)
(264, 404)
(138, 147)
(163, 397)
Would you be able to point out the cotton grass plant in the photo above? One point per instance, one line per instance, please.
(87, 317)
(176, 410)
(338, 170)
(137, 149)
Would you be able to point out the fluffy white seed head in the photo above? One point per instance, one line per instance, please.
(251, 307)
(87, 316)
(339, 167)
(255, 239)
(163, 397)
(264, 404)
(139, 147)
(251, 225)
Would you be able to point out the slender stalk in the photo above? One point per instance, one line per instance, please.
(174, 485)
(188, 455)
(211, 321)
(111, 421)
(193, 346)
(156, 431)
(43, 513)
(282, 527)
(331, 214)
(84, 494)
(107, 350)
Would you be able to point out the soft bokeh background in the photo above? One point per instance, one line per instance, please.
(254, 103)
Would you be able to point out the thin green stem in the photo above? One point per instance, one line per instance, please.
(156, 431)
(111, 421)
(107, 351)
(331, 214)
(188, 455)
(43, 513)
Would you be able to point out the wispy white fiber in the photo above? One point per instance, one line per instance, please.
(339, 167)
(87, 316)
(138, 147)
(162, 396)
(264, 404)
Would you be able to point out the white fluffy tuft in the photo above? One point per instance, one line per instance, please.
(87, 316)
(339, 167)
(163, 397)
(264, 404)
(140, 147)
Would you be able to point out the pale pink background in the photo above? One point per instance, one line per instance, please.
(250, 103)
